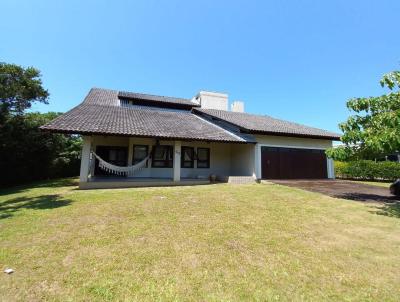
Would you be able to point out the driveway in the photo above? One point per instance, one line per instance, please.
(342, 189)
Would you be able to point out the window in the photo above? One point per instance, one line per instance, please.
(203, 158)
(187, 157)
(162, 157)
(114, 155)
(139, 153)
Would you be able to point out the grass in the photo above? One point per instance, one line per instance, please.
(374, 183)
(208, 243)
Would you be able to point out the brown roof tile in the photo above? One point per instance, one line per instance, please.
(101, 113)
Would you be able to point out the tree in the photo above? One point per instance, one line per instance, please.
(26, 153)
(19, 88)
(374, 129)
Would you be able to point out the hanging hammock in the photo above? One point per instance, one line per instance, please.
(119, 170)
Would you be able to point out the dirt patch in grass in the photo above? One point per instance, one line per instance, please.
(343, 189)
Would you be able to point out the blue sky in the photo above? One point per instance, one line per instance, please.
(296, 60)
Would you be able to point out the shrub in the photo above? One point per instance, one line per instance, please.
(368, 170)
(28, 154)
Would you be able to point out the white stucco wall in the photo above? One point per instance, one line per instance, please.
(225, 159)
(220, 156)
(242, 160)
(213, 100)
(237, 106)
(295, 142)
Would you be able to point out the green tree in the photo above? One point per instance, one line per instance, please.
(26, 153)
(374, 128)
(19, 88)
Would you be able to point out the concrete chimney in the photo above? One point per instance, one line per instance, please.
(237, 106)
(212, 100)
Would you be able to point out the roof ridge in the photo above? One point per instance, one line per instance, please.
(104, 89)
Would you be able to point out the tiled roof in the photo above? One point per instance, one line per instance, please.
(156, 98)
(264, 124)
(101, 113)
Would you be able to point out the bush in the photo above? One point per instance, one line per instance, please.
(367, 170)
(28, 154)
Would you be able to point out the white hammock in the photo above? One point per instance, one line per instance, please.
(119, 170)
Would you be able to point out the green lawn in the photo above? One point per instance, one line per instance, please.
(205, 243)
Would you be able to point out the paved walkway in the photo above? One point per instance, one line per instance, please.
(342, 189)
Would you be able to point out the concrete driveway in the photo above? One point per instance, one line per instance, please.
(342, 189)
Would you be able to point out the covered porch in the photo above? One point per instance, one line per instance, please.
(172, 162)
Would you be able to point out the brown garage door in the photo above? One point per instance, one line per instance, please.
(291, 163)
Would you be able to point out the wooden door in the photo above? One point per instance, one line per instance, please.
(292, 163)
(269, 163)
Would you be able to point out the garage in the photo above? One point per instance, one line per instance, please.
(293, 163)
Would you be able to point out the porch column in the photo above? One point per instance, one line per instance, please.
(177, 161)
(130, 151)
(257, 161)
(85, 159)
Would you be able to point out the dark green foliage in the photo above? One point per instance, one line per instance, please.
(26, 153)
(19, 88)
(368, 170)
(30, 154)
(374, 130)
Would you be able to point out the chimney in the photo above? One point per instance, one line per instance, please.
(212, 100)
(237, 106)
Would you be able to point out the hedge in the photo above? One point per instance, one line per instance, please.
(368, 170)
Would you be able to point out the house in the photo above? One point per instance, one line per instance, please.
(185, 141)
